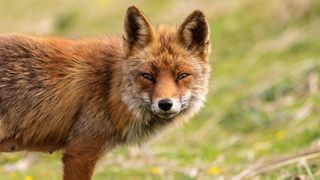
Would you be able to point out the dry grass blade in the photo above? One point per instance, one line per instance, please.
(304, 163)
(278, 162)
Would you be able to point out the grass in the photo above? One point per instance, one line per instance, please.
(264, 100)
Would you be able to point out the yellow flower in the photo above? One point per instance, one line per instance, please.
(214, 170)
(281, 134)
(155, 170)
(28, 178)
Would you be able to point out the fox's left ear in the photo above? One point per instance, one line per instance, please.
(138, 31)
(194, 33)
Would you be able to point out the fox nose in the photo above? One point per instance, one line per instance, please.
(165, 104)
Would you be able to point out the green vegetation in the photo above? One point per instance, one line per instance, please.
(264, 100)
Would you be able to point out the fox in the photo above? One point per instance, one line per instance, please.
(86, 96)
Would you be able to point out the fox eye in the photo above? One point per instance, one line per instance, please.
(148, 77)
(182, 76)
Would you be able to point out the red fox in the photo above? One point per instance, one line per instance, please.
(87, 96)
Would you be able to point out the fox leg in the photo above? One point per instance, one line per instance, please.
(80, 158)
(78, 167)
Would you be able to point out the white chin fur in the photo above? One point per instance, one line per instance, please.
(166, 116)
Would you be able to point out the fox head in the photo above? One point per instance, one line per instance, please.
(166, 70)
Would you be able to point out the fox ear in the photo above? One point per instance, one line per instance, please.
(194, 33)
(138, 32)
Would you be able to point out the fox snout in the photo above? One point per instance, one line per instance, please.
(166, 107)
(165, 104)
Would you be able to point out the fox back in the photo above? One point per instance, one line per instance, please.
(86, 96)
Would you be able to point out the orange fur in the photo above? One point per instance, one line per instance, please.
(86, 96)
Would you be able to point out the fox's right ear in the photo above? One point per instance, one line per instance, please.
(138, 32)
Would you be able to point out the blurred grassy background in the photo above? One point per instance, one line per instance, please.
(264, 100)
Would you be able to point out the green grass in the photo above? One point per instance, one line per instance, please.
(263, 101)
